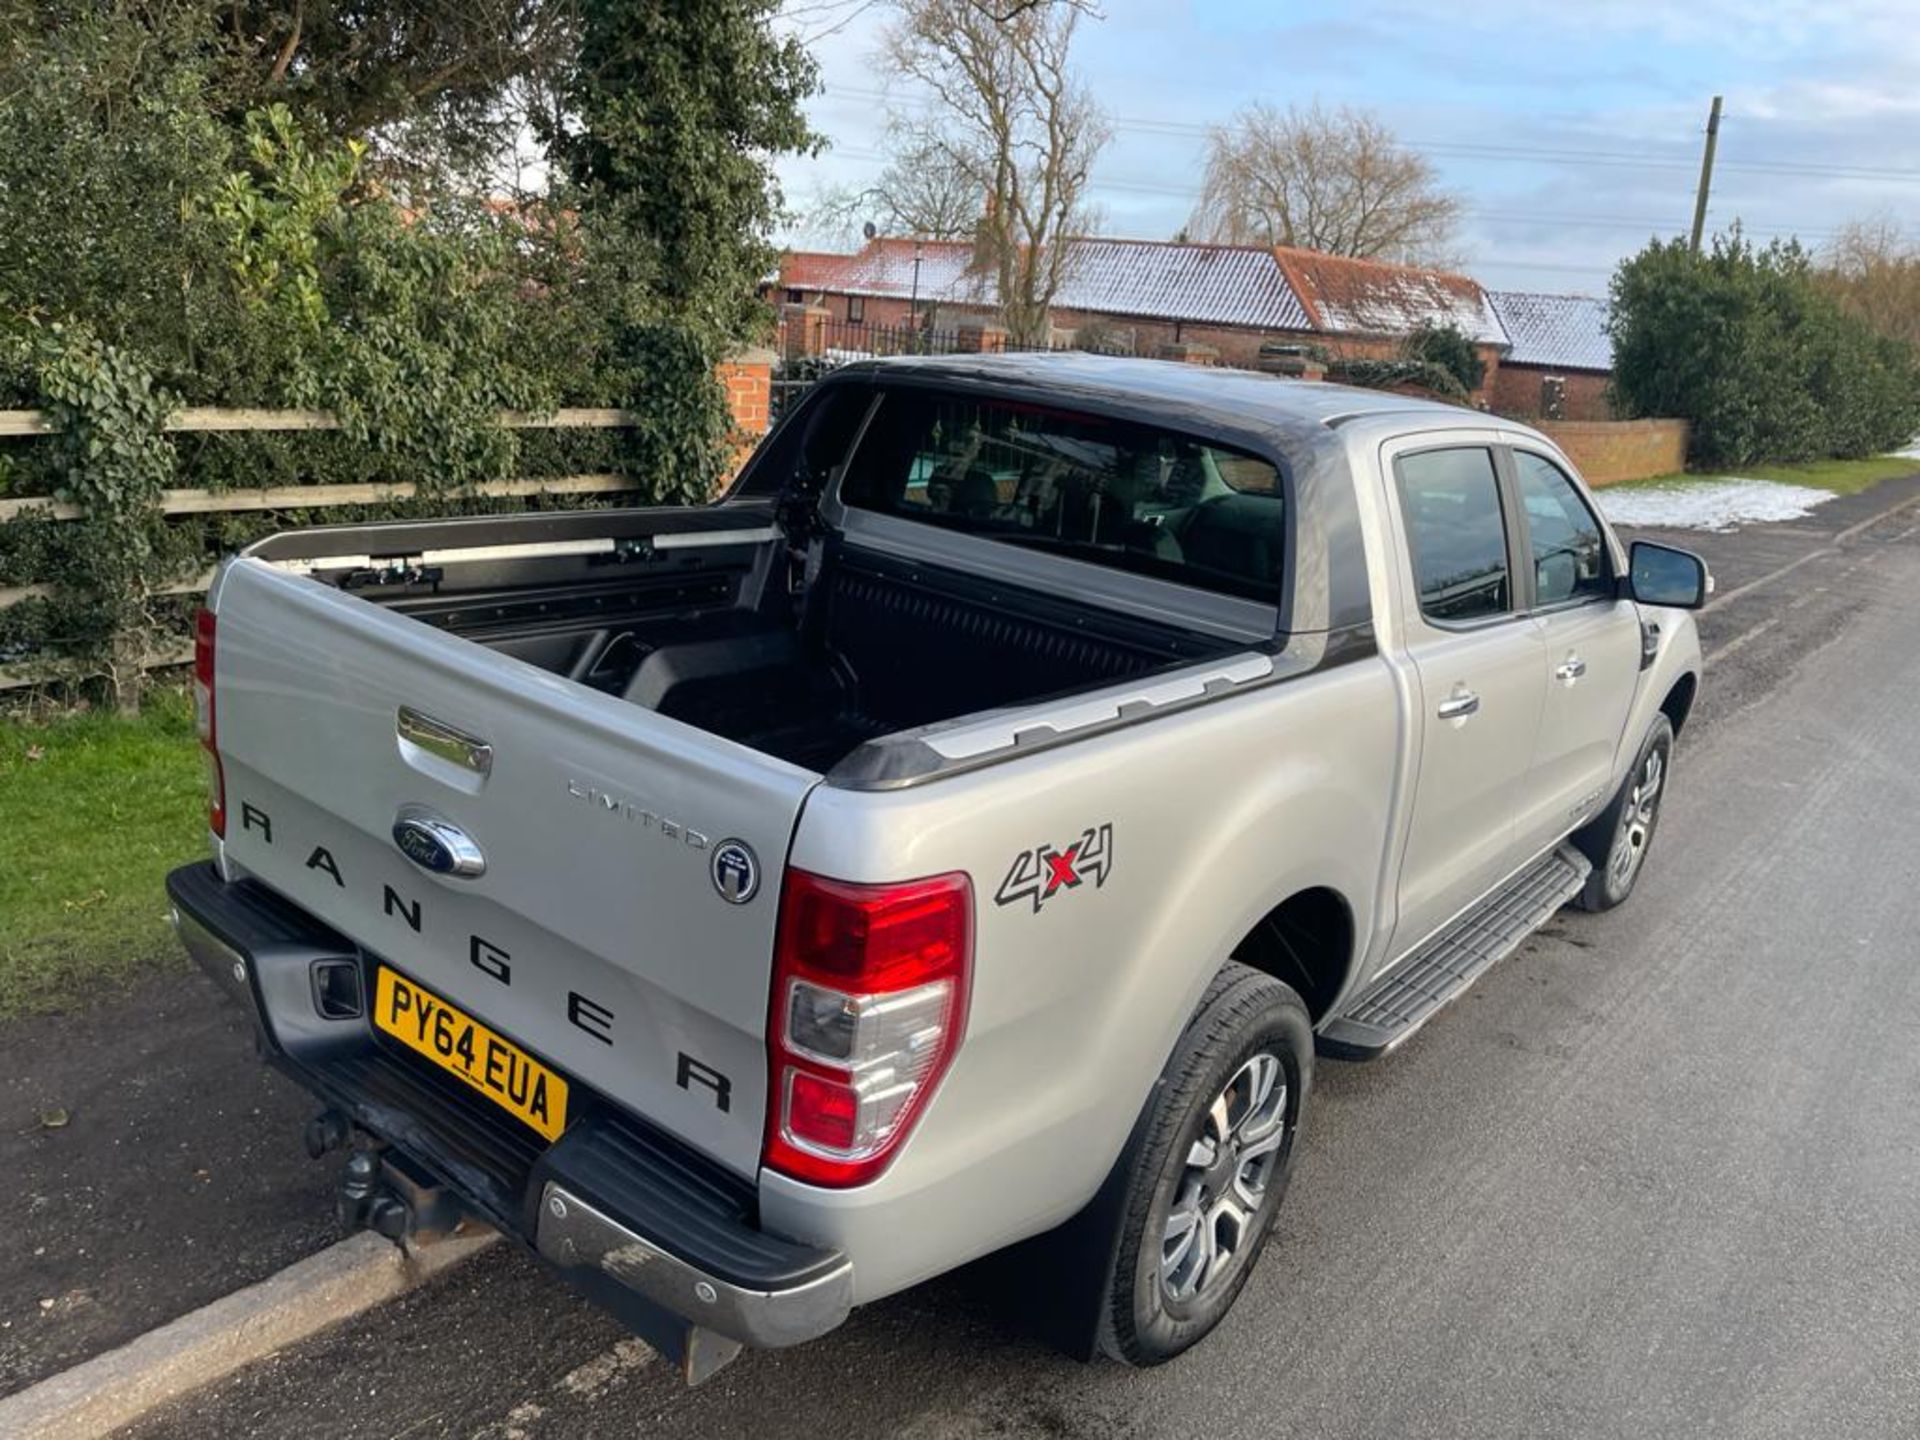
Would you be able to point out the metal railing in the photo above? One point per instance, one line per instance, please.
(826, 345)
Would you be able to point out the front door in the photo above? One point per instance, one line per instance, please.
(1592, 642)
(1482, 674)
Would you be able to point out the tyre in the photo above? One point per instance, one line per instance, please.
(1207, 1167)
(1617, 839)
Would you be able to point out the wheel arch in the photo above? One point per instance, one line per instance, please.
(1678, 702)
(1306, 941)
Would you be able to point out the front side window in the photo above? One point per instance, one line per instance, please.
(1110, 492)
(1451, 501)
(1569, 552)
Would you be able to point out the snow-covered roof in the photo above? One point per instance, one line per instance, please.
(1347, 296)
(884, 267)
(1567, 332)
(1282, 289)
(1151, 279)
(1205, 284)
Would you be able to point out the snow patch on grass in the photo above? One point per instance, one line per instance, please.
(1718, 505)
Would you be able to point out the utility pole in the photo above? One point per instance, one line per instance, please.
(913, 304)
(1706, 174)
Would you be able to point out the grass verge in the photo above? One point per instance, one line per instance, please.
(1842, 477)
(94, 810)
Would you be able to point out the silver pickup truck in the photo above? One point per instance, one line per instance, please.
(965, 833)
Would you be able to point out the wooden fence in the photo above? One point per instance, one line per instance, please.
(215, 419)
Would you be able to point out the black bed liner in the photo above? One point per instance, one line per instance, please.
(882, 645)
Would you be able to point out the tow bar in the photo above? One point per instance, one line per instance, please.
(383, 1189)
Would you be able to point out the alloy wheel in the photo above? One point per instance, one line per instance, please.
(1636, 822)
(1224, 1179)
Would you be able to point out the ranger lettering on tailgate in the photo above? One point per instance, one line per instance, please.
(446, 1035)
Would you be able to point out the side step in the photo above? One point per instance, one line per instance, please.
(1412, 993)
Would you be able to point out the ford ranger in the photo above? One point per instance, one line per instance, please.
(966, 832)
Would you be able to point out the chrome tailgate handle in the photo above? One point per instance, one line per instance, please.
(441, 740)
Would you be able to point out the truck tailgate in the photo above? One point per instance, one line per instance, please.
(597, 936)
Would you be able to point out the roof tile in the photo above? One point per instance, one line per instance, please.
(1348, 296)
(1565, 331)
(1278, 289)
(1204, 284)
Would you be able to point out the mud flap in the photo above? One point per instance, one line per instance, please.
(1065, 1276)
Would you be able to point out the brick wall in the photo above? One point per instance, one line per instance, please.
(748, 380)
(874, 309)
(1515, 391)
(1236, 345)
(1607, 451)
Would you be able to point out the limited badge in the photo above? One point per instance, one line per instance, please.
(735, 871)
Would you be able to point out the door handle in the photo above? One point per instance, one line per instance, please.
(1459, 705)
(1570, 670)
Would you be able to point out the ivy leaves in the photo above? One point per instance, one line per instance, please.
(112, 459)
(679, 107)
(273, 215)
(162, 243)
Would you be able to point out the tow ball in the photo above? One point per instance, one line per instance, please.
(385, 1190)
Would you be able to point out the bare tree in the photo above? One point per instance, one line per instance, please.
(1019, 124)
(1336, 181)
(1872, 267)
(926, 191)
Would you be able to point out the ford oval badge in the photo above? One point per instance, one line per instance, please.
(437, 844)
(735, 870)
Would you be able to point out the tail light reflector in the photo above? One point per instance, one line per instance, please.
(869, 1003)
(204, 721)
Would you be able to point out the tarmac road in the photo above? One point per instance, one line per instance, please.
(1658, 1174)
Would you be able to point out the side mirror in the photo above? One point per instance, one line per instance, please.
(1662, 575)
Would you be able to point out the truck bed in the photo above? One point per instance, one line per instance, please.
(713, 636)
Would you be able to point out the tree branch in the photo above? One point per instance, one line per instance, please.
(285, 57)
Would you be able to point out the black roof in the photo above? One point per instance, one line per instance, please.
(1286, 409)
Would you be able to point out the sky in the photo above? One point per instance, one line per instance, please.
(1571, 131)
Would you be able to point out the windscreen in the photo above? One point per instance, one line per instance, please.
(1112, 492)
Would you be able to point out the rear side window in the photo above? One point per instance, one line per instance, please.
(1569, 555)
(804, 450)
(1451, 501)
(1111, 492)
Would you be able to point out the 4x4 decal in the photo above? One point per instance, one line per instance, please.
(1045, 871)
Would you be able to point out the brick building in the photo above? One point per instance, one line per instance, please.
(1142, 294)
(1366, 308)
(1211, 303)
(1560, 360)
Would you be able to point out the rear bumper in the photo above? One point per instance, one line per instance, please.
(634, 1218)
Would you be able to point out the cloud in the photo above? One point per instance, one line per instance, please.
(1614, 94)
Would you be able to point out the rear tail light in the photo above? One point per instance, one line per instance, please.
(869, 1004)
(204, 721)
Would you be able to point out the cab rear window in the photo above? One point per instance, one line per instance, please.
(1111, 492)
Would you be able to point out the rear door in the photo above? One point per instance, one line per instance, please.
(1592, 641)
(601, 935)
(1481, 674)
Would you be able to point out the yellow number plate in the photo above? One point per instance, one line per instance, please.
(456, 1042)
